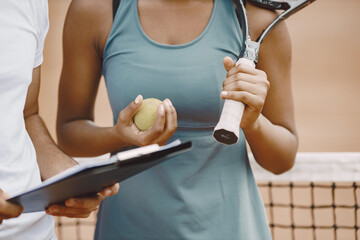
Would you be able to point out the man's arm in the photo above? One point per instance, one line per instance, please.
(7, 209)
(52, 160)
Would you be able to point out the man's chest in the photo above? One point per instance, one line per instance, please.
(18, 43)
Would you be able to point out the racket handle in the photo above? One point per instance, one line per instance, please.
(228, 128)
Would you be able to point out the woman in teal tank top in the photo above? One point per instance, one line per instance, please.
(209, 192)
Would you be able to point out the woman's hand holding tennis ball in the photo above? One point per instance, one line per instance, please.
(145, 122)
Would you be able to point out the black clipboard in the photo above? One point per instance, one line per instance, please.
(93, 177)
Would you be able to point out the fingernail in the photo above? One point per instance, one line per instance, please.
(167, 104)
(171, 106)
(137, 99)
(108, 193)
(224, 93)
(6, 196)
(71, 202)
(162, 109)
(53, 209)
(170, 102)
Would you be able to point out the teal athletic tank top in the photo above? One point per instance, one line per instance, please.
(208, 193)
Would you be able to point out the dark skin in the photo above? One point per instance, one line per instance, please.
(269, 125)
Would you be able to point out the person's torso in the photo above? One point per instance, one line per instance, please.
(209, 192)
(186, 74)
(20, 23)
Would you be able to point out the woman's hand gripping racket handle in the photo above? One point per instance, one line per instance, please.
(228, 128)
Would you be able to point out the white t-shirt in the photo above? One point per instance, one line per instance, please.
(23, 28)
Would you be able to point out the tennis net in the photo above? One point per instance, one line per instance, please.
(317, 200)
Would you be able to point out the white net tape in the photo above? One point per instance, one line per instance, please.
(316, 167)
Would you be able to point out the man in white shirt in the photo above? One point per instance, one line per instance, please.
(27, 152)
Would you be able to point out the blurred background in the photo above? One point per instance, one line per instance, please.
(325, 76)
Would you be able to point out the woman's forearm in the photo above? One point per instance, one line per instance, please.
(82, 138)
(274, 147)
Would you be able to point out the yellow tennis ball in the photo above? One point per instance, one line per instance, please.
(145, 117)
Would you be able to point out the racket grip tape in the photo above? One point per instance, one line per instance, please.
(228, 128)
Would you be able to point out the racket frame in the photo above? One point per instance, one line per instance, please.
(228, 128)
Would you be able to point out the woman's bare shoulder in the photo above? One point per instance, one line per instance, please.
(277, 45)
(260, 18)
(90, 10)
(90, 19)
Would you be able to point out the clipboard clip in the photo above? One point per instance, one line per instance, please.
(137, 152)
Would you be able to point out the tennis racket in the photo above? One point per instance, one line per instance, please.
(228, 128)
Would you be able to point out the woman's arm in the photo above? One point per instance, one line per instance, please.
(87, 26)
(269, 126)
(80, 76)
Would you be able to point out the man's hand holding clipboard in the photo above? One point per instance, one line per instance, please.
(93, 178)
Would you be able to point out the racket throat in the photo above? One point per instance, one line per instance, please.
(250, 51)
